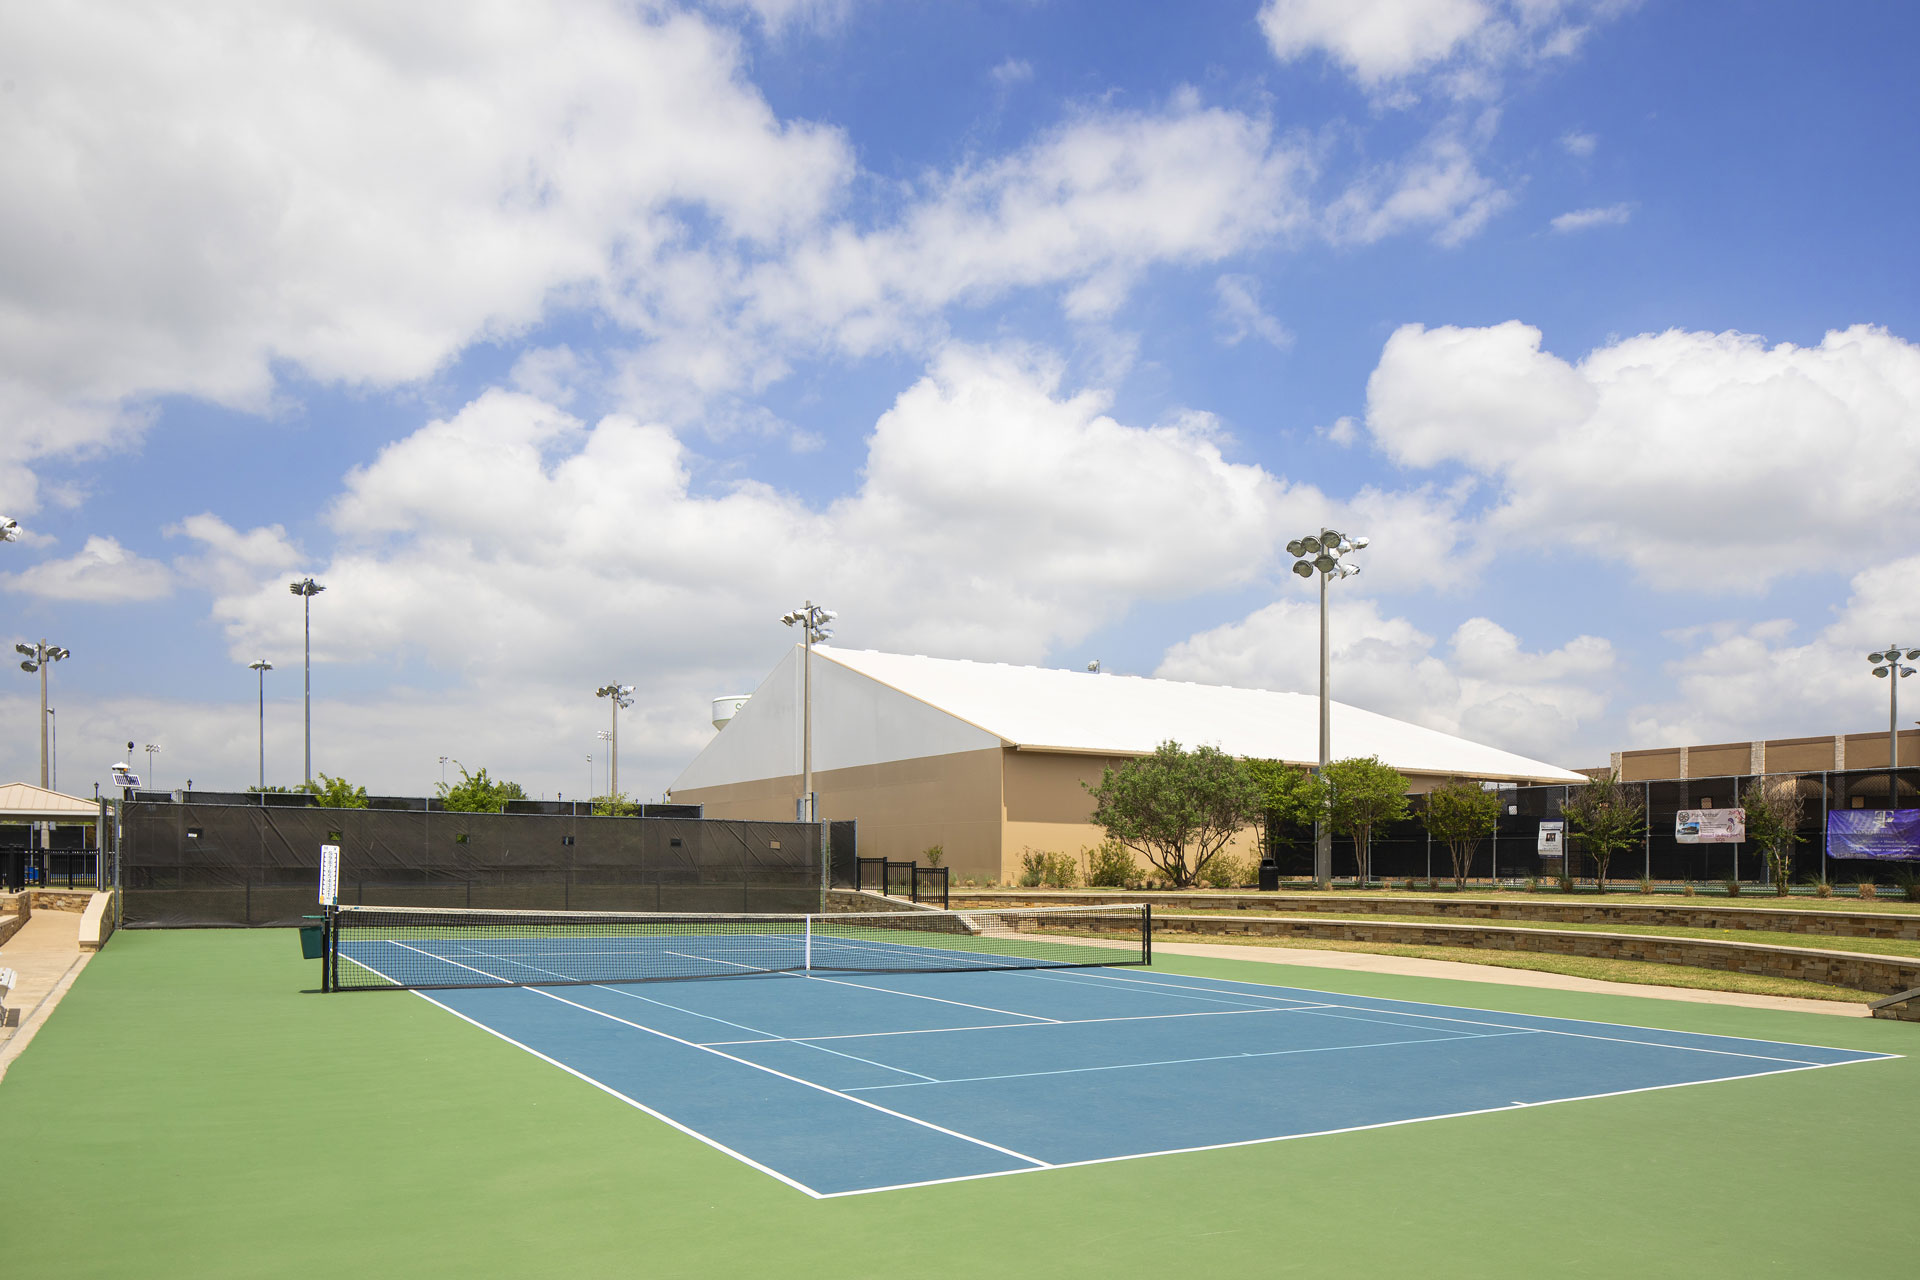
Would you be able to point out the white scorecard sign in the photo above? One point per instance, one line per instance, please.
(1710, 826)
(1552, 837)
(329, 875)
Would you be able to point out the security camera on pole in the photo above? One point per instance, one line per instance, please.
(1320, 553)
(812, 619)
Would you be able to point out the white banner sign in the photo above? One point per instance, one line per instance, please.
(1553, 837)
(1710, 826)
(329, 875)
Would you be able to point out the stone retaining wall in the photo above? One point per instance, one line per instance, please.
(860, 900)
(1693, 915)
(74, 900)
(1885, 975)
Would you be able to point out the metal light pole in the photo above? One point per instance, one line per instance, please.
(151, 749)
(1320, 553)
(53, 756)
(39, 657)
(812, 619)
(621, 695)
(1892, 672)
(307, 589)
(603, 736)
(262, 666)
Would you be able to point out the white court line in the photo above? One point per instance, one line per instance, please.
(1861, 1056)
(1039, 1019)
(830, 1092)
(1579, 1035)
(633, 1102)
(634, 995)
(1010, 1026)
(1217, 1057)
(1326, 1133)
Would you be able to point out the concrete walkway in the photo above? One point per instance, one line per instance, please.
(46, 954)
(1411, 967)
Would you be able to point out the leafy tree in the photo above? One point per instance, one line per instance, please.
(477, 793)
(1774, 808)
(1177, 808)
(1459, 813)
(1291, 798)
(1366, 793)
(1606, 817)
(336, 793)
(615, 806)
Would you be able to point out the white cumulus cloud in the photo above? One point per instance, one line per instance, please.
(1613, 215)
(1707, 462)
(1481, 685)
(101, 572)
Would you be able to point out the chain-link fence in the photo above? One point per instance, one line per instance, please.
(1403, 850)
(195, 864)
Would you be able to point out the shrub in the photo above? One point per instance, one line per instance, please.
(1822, 889)
(1052, 870)
(1565, 882)
(1864, 889)
(1687, 888)
(1646, 884)
(1227, 873)
(1111, 866)
(1909, 885)
(1733, 887)
(1533, 884)
(934, 853)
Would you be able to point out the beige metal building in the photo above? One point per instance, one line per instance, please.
(988, 760)
(1828, 753)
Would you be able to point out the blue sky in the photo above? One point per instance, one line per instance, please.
(577, 343)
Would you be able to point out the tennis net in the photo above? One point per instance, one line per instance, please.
(407, 948)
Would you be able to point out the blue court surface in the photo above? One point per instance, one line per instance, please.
(851, 1083)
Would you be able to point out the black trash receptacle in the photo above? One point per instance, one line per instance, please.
(1269, 875)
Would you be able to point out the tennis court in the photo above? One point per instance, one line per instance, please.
(842, 1062)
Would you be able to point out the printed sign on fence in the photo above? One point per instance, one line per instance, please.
(1710, 826)
(1553, 835)
(329, 875)
(1873, 833)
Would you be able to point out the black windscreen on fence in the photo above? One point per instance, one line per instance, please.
(205, 864)
(1401, 850)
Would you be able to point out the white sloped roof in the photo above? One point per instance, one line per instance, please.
(24, 800)
(1042, 709)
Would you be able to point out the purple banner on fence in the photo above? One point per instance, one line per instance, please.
(1873, 833)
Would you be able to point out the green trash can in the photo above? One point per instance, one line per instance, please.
(312, 941)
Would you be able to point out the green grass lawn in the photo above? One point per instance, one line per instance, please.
(238, 1124)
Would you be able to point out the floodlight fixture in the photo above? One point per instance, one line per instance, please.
(812, 620)
(620, 695)
(40, 657)
(1319, 554)
(307, 589)
(1891, 669)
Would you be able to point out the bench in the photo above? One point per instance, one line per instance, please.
(8, 981)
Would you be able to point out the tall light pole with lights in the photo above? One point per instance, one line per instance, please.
(307, 589)
(262, 666)
(40, 656)
(1887, 667)
(621, 696)
(1320, 554)
(812, 619)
